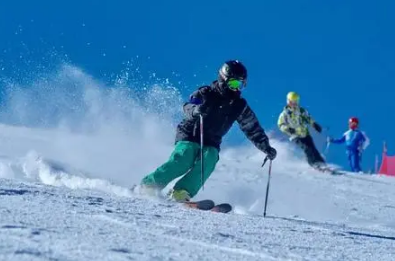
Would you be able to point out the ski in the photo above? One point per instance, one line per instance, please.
(209, 205)
(205, 204)
(329, 170)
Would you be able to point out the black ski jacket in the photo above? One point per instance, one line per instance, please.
(223, 108)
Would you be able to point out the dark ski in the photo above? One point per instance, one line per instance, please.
(209, 205)
(205, 204)
(329, 170)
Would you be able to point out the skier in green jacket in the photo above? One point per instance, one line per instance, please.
(220, 105)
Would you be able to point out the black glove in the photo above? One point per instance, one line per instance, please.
(271, 153)
(291, 131)
(200, 110)
(317, 127)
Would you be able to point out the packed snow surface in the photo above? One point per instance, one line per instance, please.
(51, 211)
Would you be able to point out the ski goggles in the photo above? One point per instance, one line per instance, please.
(236, 84)
(293, 103)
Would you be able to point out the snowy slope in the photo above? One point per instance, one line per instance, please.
(64, 191)
(39, 222)
(52, 211)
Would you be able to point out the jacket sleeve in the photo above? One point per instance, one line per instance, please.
(366, 140)
(339, 141)
(195, 99)
(282, 123)
(307, 117)
(249, 124)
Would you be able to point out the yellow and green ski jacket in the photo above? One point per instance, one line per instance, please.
(296, 118)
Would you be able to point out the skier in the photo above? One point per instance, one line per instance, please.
(294, 121)
(220, 105)
(356, 142)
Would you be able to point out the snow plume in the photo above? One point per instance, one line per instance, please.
(118, 132)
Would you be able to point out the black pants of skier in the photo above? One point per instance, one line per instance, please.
(312, 154)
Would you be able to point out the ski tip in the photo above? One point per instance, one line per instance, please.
(222, 208)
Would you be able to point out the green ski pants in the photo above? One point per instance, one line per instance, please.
(185, 160)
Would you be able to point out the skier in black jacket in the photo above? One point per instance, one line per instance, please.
(220, 105)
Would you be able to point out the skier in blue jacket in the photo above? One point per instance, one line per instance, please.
(356, 142)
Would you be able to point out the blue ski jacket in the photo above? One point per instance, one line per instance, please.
(355, 140)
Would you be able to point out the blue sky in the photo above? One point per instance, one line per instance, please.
(339, 55)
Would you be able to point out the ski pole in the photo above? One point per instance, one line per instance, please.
(327, 147)
(201, 153)
(264, 161)
(268, 185)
